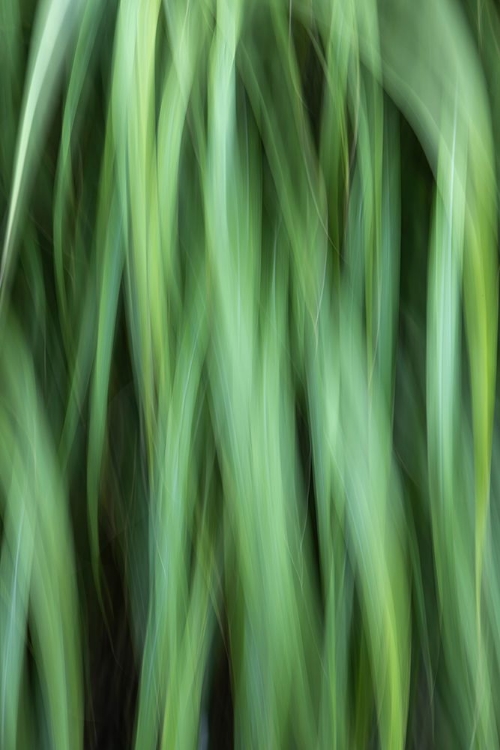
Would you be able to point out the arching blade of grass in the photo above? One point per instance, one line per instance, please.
(448, 503)
(273, 88)
(42, 565)
(172, 639)
(52, 35)
(362, 471)
(449, 80)
(111, 272)
(273, 652)
(65, 199)
(15, 575)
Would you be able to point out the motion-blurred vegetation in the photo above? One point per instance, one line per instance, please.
(249, 478)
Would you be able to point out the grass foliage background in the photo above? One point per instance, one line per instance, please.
(248, 374)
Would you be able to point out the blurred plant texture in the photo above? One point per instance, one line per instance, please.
(249, 457)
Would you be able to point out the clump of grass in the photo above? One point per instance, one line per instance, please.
(249, 324)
